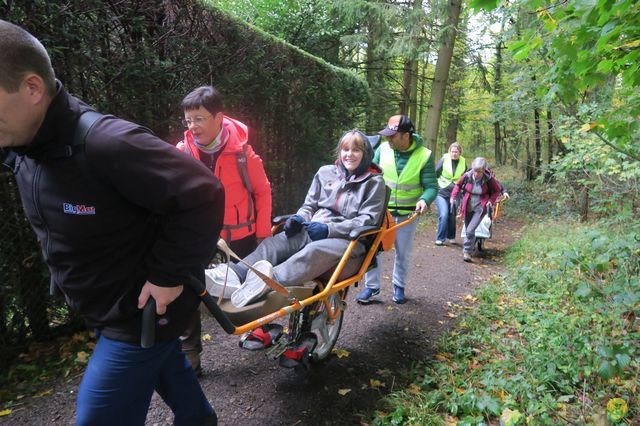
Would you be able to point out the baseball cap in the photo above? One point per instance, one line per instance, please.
(397, 123)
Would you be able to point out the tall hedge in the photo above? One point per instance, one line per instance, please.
(137, 60)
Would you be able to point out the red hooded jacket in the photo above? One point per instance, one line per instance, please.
(242, 215)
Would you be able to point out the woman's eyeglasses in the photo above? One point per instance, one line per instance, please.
(196, 121)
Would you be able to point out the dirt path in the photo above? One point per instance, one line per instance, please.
(383, 342)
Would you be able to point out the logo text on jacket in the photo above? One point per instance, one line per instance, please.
(78, 209)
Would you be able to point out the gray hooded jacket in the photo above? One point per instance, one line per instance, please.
(345, 202)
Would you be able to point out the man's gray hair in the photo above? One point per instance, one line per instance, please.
(20, 54)
(479, 163)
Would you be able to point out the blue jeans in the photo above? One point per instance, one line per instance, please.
(404, 248)
(120, 379)
(446, 220)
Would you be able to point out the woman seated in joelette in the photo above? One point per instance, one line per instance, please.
(343, 196)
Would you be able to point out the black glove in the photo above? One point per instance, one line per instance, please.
(293, 225)
(317, 230)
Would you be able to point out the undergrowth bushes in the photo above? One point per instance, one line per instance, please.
(553, 342)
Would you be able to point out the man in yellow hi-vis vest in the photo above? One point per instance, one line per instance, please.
(408, 169)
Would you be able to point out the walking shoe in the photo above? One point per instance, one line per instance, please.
(451, 240)
(214, 279)
(398, 295)
(439, 242)
(466, 257)
(364, 297)
(253, 286)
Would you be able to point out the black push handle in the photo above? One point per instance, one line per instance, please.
(148, 334)
(208, 300)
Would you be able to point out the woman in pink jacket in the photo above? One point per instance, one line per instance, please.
(479, 190)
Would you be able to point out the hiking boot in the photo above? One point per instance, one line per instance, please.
(439, 242)
(364, 297)
(398, 295)
(466, 257)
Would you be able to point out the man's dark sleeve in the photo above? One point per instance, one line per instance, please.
(180, 193)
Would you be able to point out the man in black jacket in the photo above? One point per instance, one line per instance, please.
(121, 217)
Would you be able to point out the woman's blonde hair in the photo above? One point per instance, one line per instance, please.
(455, 145)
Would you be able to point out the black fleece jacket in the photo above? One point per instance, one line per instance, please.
(128, 209)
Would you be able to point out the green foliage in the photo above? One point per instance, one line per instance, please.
(593, 46)
(312, 25)
(138, 59)
(554, 342)
(613, 182)
(41, 364)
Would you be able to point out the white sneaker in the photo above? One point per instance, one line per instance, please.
(214, 279)
(439, 242)
(451, 241)
(253, 286)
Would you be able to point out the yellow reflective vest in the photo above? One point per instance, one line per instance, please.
(448, 176)
(406, 189)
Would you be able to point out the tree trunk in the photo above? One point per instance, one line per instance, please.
(497, 142)
(452, 129)
(584, 204)
(373, 73)
(423, 77)
(438, 89)
(413, 98)
(550, 147)
(407, 81)
(537, 140)
(496, 91)
(408, 102)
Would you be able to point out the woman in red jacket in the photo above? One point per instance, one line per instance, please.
(221, 144)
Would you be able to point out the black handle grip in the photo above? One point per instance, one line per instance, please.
(148, 334)
(208, 300)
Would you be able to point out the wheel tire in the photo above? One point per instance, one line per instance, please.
(327, 333)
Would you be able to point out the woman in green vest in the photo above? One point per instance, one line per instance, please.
(449, 169)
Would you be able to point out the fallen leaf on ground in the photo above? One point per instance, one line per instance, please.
(206, 337)
(5, 413)
(82, 357)
(43, 393)
(414, 389)
(375, 384)
(343, 392)
(511, 418)
(470, 298)
(340, 353)
(450, 421)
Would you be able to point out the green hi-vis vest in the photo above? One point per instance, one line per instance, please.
(447, 177)
(406, 189)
